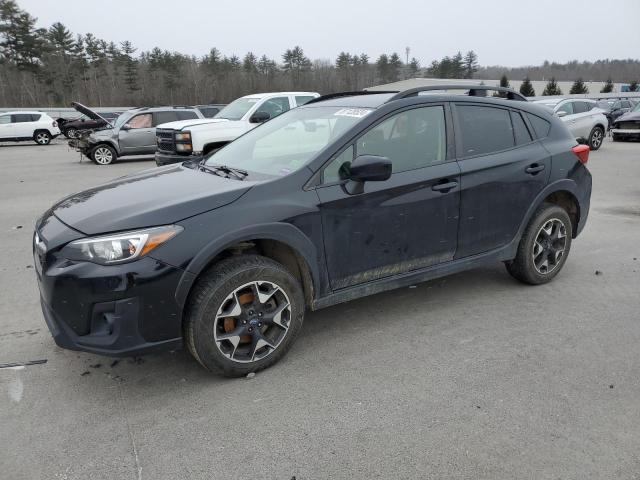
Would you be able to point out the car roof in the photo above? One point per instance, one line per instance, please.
(276, 94)
(13, 112)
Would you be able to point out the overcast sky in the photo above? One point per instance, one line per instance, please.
(502, 33)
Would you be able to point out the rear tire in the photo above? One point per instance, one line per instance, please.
(544, 246)
(596, 137)
(71, 133)
(42, 137)
(103, 155)
(243, 315)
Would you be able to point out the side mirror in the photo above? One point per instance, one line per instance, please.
(561, 113)
(259, 117)
(126, 126)
(367, 168)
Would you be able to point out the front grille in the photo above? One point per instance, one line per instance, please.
(165, 140)
(629, 125)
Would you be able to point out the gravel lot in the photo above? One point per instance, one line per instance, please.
(471, 376)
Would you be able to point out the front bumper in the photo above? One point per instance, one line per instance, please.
(163, 158)
(626, 132)
(116, 310)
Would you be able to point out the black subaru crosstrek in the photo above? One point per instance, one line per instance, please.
(344, 197)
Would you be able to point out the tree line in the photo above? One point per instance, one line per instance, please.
(51, 67)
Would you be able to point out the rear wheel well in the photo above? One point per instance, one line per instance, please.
(275, 250)
(210, 147)
(569, 203)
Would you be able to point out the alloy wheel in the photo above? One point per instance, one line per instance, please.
(252, 321)
(596, 138)
(103, 156)
(42, 138)
(549, 246)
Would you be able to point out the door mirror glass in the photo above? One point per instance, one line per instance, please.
(561, 113)
(259, 117)
(370, 168)
(126, 126)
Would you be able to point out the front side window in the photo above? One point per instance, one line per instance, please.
(338, 169)
(288, 142)
(411, 139)
(274, 106)
(566, 107)
(484, 129)
(141, 121)
(237, 109)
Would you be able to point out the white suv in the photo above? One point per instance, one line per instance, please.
(583, 117)
(192, 139)
(28, 125)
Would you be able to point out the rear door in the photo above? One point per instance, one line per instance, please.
(502, 171)
(138, 135)
(583, 118)
(407, 222)
(6, 126)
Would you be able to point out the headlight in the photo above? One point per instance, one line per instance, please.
(119, 248)
(183, 147)
(186, 136)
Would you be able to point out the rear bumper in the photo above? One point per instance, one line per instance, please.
(168, 158)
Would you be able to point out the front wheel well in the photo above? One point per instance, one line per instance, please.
(569, 203)
(277, 251)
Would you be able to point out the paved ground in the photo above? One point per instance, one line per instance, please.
(472, 376)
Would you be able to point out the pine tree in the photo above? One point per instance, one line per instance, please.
(504, 81)
(296, 64)
(633, 86)
(130, 65)
(552, 88)
(470, 64)
(382, 67)
(608, 86)
(578, 87)
(457, 66)
(414, 67)
(395, 65)
(526, 88)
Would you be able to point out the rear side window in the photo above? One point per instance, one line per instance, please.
(164, 117)
(208, 112)
(188, 115)
(540, 125)
(302, 99)
(580, 107)
(484, 129)
(520, 131)
(23, 117)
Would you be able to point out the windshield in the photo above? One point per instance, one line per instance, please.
(636, 108)
(237, 109)
(286, 143)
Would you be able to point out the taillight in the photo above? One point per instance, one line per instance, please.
(582, 152)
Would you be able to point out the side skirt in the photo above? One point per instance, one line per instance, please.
(507, 252)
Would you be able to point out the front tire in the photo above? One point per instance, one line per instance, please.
(243, 315)
(42, 137)
(103, 155)
(544, 246)
(596, 137)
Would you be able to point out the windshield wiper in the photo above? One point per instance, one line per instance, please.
(236, 172)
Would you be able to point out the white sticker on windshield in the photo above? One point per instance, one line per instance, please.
(353, 112)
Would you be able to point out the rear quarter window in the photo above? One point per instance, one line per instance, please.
(540, 126)
(520, 131)
(188, 115)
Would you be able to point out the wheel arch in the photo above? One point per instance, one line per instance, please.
(108, 143)
(281, 242)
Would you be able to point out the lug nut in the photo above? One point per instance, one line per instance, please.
(244, 321)
(260, 314)
(251, 329)
(259, 324)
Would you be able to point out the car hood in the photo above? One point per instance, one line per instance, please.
(88, 112)
(180, 124)
(152, 197)
(629, 116)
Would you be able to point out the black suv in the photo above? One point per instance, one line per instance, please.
(346, 196)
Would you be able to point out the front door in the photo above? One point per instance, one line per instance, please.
(138, 136)
(502, 171)
(405, 223)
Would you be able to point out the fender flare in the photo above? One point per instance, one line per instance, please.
(281, 232)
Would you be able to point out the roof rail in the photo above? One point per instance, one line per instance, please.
(329, 96)
(474, 91)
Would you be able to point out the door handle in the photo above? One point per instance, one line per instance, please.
(444, 187)
(534, 169)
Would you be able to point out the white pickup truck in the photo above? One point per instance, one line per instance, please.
(192, 139)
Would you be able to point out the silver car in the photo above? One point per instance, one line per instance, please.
(132, 133)
(585, 120)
